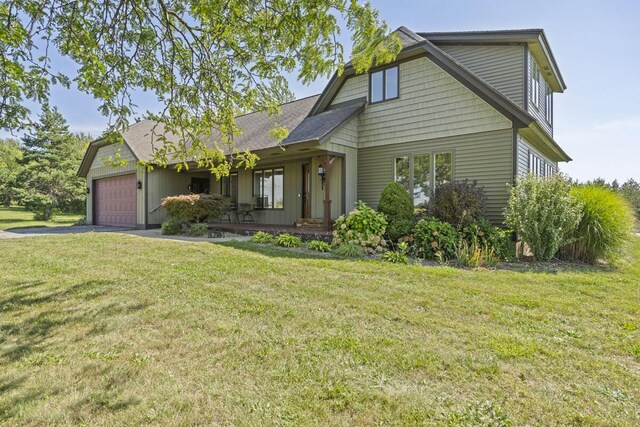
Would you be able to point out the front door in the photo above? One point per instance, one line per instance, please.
(306, 191)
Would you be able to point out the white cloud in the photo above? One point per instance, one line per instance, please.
(610, 150)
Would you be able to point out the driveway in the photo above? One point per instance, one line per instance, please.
(17, 233)
(156, 233)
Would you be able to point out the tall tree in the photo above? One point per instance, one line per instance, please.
(10, 158)
(51, 158)
(205, 60)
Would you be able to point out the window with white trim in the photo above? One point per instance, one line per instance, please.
(535, 84)
(421, 174)
(548, 111)
(384, 85)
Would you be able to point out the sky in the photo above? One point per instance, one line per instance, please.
(596, 120)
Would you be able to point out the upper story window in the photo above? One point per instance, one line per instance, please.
(384, 85)
(535, 84)
(548, 111)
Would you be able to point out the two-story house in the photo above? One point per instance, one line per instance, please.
(456, 105)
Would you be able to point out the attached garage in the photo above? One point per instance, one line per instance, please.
(114, 201)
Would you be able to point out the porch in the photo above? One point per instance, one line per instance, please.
(300, 193)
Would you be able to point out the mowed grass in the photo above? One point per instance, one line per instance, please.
(109, 329)
(19, 217)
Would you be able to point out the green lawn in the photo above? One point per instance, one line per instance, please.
(19, 217)
(108, 329)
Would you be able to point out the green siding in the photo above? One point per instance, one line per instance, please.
(486, 157)
(432, 104)
(502, 66)
(524, 147)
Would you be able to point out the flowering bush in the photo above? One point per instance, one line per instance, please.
(543, 213)
(433, 239)
(194, 207)
(362, 226)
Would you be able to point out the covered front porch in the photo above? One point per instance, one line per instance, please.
(301, 189)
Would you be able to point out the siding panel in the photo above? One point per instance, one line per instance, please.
(486, 157)
(432, 104)
(523, 156)
(503, 67)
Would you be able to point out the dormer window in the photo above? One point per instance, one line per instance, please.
(384, 85)
(535, 84)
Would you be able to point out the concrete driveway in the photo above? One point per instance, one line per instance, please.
(17, 233)
(153, 233)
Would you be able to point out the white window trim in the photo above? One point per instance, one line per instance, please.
(432, 168)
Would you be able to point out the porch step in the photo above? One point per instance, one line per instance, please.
(310, 223)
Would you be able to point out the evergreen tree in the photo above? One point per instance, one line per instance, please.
(51, 158)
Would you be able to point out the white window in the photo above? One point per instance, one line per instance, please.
(418, 174)
(535, 84)
(548, 111)
(540, 167)
(384, 85)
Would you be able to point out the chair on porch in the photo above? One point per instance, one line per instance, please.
(225, 210)
(244, 213)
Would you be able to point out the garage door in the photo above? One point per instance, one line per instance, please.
(115, 201)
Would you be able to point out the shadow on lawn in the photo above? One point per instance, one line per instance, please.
(275, 251)
(42, 324)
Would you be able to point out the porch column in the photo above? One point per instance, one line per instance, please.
(327, 164)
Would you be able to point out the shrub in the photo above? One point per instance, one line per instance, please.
(194, 207)
(362, 226)
(288, 240)
(482, 233)
(606, 224)
(198, 229)
(319, 245)
(458, 202)
(397, 206)
(543, 213)
(262, 237)
(171, 226)
(433, 239)
(349, 250)
(474, 255)
(398, 256)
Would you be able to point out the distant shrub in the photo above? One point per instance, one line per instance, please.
(319, 246)
(197, 229)
(349, 250)
(433, 239)
(543, 213)
(458, 202)
(288, 240)
(262, 237)
(483, 234)
(399, 256)
(605, 226)
(171, 226)
(362, 226)
(397, 206)
(194, 207)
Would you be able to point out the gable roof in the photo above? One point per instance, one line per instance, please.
(535, 38)
(315, 128)
(416, 45)
(143, 137)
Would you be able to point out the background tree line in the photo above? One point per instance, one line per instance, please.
(39, 171)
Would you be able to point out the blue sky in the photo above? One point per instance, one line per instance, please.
(597, 119)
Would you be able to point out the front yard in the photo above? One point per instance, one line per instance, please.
(106, 329)
(18, 217)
